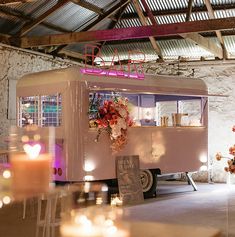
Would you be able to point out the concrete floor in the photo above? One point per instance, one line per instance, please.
(213, 205)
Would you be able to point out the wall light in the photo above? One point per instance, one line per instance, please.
(203, 158)
(89, 166)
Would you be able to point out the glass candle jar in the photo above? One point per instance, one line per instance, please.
(31, 155)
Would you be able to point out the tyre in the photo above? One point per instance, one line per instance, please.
(149, 183)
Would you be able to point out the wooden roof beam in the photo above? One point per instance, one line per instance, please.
(107, 14)
(6, 2)
(72, 54)
(28, 27)
(89, 6)
(114, 23)
(144, 22)
(129, 33)
(205, 43)
(172, 12)
(189, 10)
(218, 33)
(154, 22)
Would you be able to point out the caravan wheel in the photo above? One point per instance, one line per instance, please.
(149, 183)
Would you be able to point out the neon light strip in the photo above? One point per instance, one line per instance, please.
(112, 73)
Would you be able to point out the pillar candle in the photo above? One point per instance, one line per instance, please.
(31, 171)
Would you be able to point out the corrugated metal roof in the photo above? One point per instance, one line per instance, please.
(108, 51)
(183, 4)
(71, 16)
(34, 8)
(230, 45)
(42, 30)
(171, 49)
(221, 2)
(104, 4)
(128, 23)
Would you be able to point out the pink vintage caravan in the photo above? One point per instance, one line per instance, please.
(170, 115)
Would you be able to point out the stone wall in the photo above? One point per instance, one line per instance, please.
(15, 63)
(219, 77)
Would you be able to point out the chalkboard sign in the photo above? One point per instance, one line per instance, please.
(129, 183)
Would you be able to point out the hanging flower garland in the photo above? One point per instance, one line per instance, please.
(113, 118)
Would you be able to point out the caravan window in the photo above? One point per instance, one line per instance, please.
(51, 110)
(28, 110)
(146, 109)
(44, 110)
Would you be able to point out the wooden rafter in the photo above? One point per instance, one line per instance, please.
(41, 18)
(218, 33)
(181, 11)
(89, 6)
(107, 14)
(154, 22)
(72, 54)
(129, 33)
(117, 16)
(102, 17)
(205, 43)
(5, 2)
(189, 10)
(174, 37)
(144, 22)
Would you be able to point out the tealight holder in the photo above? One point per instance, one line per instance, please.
(31, 154)
(94, 222)
(5, 178)
(116, 200)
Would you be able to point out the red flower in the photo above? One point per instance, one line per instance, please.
(233, 129)
(108, 117)
(232, 150)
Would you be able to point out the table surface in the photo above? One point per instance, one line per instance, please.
(153, 229)
(12, 215)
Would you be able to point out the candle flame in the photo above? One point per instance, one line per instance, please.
(32, 151)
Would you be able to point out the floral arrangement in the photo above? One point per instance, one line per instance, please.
(112, 117)
(231, 161)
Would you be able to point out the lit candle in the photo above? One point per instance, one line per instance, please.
(111, 230)
(80, 227)
(116, 201)
(115, 232)
(31, 170)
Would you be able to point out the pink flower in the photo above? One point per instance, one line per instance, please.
(232, 150)
(233, 129)
(218, 156)
(114, 118)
